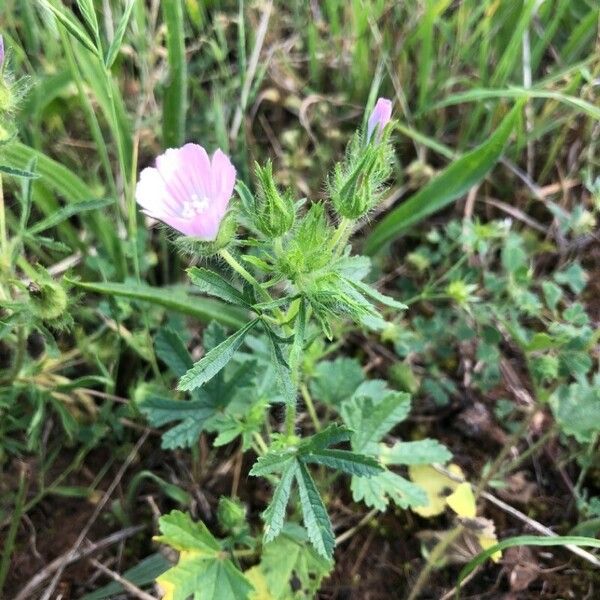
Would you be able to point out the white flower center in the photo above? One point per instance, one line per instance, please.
(194, 206)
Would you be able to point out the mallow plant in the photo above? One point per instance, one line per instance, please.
(288, 265)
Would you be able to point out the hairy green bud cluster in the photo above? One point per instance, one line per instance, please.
(231, 514)
(273, 213)
(356, 185)
(48, 299)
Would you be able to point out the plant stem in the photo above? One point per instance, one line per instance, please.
(436, 554)
(310, 406)
(341, 235)
(290, 418)
(243, 273)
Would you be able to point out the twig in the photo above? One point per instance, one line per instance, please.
(69, 557)
(537, 526)
(134, 590)
(50, 590)
(350, 532)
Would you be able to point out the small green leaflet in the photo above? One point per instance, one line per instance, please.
(316, 519)
(208, 366)
(274, 515)
(203, 569)
(273, 462)
(421, 452)
(214, 285)
(347, 462)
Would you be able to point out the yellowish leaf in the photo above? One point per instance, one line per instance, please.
(437, 484)
(462, 501)
(261, 587)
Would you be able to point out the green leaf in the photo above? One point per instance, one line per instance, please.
(274, 515)
(282, 369)
(452, 183)
(273, 462)
(378, 491)
(573, 276)
(316, 519)
(171, 350)
(115, 45)
(372, 420)
(422, 452)
(336, 381)
(191, 414)
(577, 409)
(171, 298)
(332, 434)
(343, 460)
(66, 212)
(210, 364)
(291, 559)
(175, 99)
(210, 283)
(70, 23)
(202, 571)
(371, 292)
(180, 532)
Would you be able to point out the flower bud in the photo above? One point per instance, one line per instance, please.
(47, 298)
(380, 117)
(231, 514)
(273, 213)
(351, 191)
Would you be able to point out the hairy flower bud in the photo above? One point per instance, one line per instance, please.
(231, 514)
(351, 190)
(47, 298)
(380, 117)
(273, 213)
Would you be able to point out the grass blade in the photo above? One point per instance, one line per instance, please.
(523, 540)
(175, 100)
(173, 299)
(115, 45)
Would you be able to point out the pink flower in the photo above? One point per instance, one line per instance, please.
(380, 117)
(188, 190)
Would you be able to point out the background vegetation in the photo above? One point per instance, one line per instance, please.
(497, 257)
